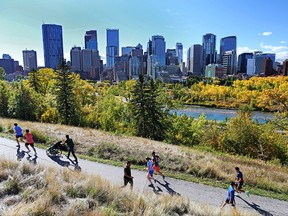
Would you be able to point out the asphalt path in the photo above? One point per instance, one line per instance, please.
(196, 192)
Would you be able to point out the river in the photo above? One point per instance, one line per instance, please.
(220, 114)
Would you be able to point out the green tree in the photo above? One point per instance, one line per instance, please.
(33, 79)
(2, 74)
(66, 102)
(4, 98)
(147, 112)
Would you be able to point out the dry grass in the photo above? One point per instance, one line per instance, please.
(175, 159)
(57, 191)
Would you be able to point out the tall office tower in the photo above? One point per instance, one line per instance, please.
(259, 60)
(228, 44)
(229, 62)
(189, 58)
(112, 48)
(127, 50)
(242, 62)
(75, 58)
(121, 68)
(209, 46)
(153, 66)
(91, 40)
(8, 65)
(285, 68)
(29, 60)
(149, 48)
(171, 57)
(158, 48)
(6, 56)
(196, 60)
(179, 52)
(52, 45)
(268, 67)
(136, 62)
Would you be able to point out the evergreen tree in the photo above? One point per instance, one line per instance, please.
(2, 74)
(147, 111)
(65, 96)
(4, 98)
(34, 81)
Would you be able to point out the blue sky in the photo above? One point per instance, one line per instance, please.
(258, 24)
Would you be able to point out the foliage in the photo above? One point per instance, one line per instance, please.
(2, 73)
(4, 98)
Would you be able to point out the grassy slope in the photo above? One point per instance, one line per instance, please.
(212, 168)
(26, 189)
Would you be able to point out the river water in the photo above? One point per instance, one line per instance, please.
(220, 114)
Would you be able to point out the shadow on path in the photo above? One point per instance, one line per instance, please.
(168, 188)
(257, 208)
(60, 162)
(20, 154)
(31, 159)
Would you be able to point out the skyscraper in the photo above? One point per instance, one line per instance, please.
(179, 52)
(209, 46)
(228, 51)
(158, 48)
(52, 45)
(91, 40)
(259, 60)
(196, 59)
(29, 60)
(242, 62)
(112, 48)
(228, 44)
(171, 57)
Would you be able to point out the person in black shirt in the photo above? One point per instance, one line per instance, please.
(127, 175)
(70, 145)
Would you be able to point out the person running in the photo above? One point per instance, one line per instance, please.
(231, 195)
(150, 172)
(29, 141)
(239, 182)
(155, 160)
(127, 175)
(18, 134)
(70, 145)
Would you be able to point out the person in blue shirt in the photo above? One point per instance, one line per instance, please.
(18, 134)
(150, 171)
(231, 195)
(240, 181)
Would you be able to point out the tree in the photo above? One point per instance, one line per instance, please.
(147, 113)
(66, 102)
(33, 78)
(4, 98)
(2, 74)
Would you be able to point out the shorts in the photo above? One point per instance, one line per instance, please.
(239, 185)
(128, 180)
(31, 144)
(17, 136)
(156, 168)
(233, 202)
(150, 172)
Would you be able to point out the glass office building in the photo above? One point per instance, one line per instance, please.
(158, 48)
(228, 44)
(209, 46)
(91, 40)
(52, 45)
(112, 48)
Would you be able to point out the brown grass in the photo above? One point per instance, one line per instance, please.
(175, 159)
(93, 196)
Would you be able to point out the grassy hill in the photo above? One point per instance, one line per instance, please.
(191, 164)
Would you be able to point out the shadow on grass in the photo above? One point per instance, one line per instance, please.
(257, 208)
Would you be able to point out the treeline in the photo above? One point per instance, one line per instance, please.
(142, 108)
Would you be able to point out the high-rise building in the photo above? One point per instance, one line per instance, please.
(209, 49)
(228, 51)
(29, 60)
(179, 52)
(112, 48)
(285, 68)
(228, 44)
(158, 48)
(268, 67)
(75, 58)
(189, 58)
(8, 65)
(52, 45)
(171, 57)
(6, 56)
(242, 62)
(91, 41)
(229, 62)
(196, 61)
(127, 50)
(153, 66)
(259, 60)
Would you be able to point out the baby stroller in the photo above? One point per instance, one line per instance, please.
(56, 149)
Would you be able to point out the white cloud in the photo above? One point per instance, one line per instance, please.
(281, 52)
(245, 50)
(273, 48)
(283, 42)
(266, 33)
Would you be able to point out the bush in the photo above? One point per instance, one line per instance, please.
(39, 136)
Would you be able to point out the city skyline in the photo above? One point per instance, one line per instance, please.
(139, 21)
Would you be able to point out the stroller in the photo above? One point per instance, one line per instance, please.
(56, 149)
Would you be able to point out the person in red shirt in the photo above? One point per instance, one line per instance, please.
(29, 141)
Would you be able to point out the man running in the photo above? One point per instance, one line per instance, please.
(150, 171)
(155, 160)
(70, 145)
(231, 196)
(29, 141)
(127, 175)
(239, 182)
(18, 134)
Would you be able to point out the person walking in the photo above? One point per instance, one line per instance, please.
(239, 182)
(70, 145)
(18, 134)
(29, 141)
(231, 196)
(155, 160)
(150, 172)
(128, 178)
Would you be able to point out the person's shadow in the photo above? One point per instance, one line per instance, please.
(257, 208)
(20, 154)
(60, 162)
(168, 188)
(31, 159)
